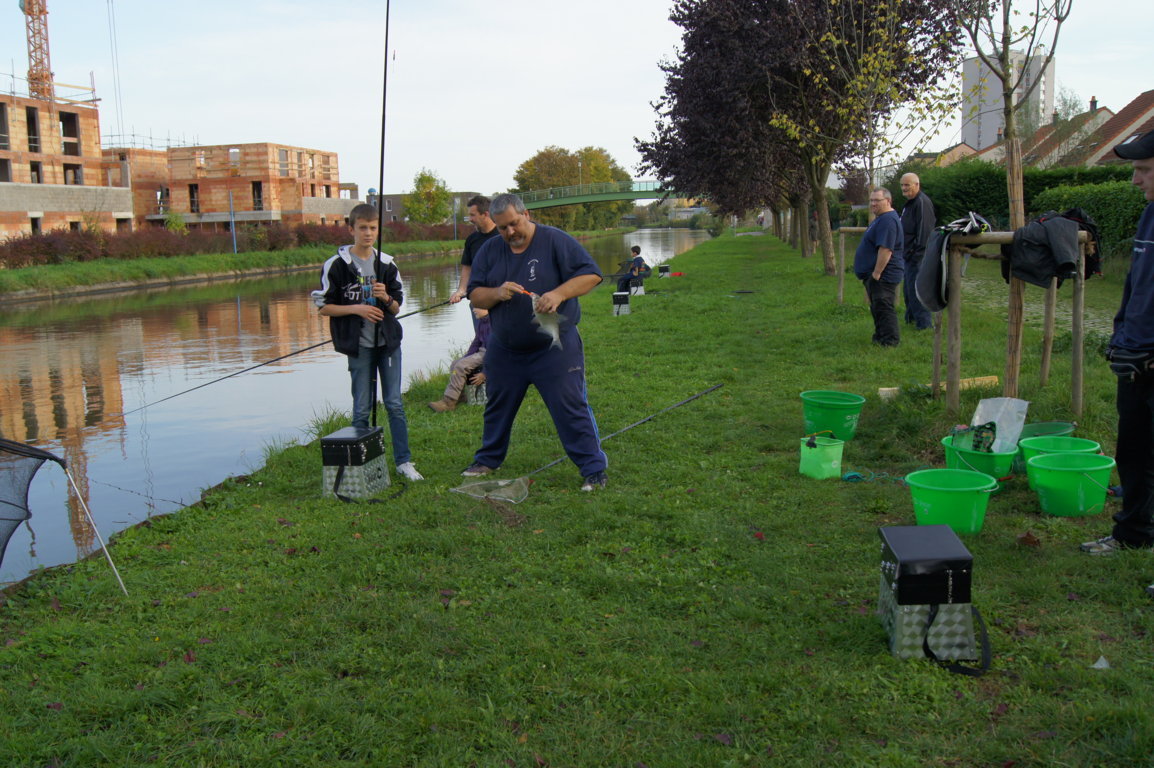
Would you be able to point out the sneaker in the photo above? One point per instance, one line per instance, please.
(408, 470)
(1150, 590)
(595, 481)
(1107, 545)
(476, 470)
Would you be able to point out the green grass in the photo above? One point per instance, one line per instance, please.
(711, 607)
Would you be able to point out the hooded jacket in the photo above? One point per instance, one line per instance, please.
(340, 285)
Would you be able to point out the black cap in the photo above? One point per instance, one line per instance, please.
(1141, 148)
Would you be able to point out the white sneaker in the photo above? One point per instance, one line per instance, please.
(408, 470)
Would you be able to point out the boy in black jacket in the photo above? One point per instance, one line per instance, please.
(361, 295)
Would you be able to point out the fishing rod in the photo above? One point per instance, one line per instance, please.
(650, 417)
(269, 362)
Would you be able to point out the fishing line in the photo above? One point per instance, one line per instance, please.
(269, 362)
(180, 504)
(650, 417)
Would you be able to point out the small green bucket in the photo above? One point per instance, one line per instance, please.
(1040, 429)
(1036, 446)
(1071, 484)
(823, 460)
(995, 464)
(834, 412)
(953, 497)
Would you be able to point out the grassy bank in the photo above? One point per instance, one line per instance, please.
(711, 607)
(109, 274)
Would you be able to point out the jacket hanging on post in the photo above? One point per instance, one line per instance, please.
(1045, 248)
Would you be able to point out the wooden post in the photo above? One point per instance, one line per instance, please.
(936, 376)
(1078, 330)
(954, 351)
(1048, 331)
(840, 267)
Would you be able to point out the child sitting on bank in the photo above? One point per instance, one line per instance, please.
(467, 368)
(361, 295)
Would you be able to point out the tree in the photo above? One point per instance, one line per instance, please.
(997, 34)
(430, 202)
(773, 92)
(555, 166)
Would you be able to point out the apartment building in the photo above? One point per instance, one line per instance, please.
(211, 186)
(50, 168)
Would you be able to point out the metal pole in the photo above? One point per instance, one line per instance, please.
(232, 221)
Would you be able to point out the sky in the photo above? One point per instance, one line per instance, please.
(474, 89)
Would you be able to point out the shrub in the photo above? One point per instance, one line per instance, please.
(1115, 207)
(322, 234)
(976, 185)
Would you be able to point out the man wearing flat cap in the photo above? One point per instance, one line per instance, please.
(1131, 356)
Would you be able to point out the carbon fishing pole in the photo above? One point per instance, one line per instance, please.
(269, 362)
(650, 417)
(384, 111)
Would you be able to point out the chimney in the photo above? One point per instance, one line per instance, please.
(1093, 103)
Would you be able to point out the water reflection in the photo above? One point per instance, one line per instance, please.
(75, 375)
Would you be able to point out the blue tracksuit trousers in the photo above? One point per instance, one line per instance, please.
(559, 376)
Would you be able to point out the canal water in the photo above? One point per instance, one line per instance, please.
(76, 375)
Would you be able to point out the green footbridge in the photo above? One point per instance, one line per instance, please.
(595, 193)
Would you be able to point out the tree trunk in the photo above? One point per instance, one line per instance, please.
(825, 232)
(803, 230)
(1017, 303)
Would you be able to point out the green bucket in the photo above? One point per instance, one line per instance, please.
(995, 464)
(823, 460)
(953, 497)
(1037, 446)
(833, 412)
(1040, 429)
(1071, 484)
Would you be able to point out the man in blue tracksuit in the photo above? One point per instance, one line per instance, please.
(1131, 356)
(534, 258)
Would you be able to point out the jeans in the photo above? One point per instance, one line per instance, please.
(916, 313)
(388, 371)
(1135, 458)
(883, 299)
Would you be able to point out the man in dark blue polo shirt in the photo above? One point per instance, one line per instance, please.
(878, 264)
(529, 279)
(1131, 354)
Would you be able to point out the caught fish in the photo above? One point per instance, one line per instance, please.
(548, 323)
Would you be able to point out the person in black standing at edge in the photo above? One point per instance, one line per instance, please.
(1131, 354)
(918, 220)
(478, 207)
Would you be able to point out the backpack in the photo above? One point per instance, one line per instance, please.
(931, 281)
(1093, 245)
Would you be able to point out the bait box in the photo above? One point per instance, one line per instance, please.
(925, 564)
(924, 592)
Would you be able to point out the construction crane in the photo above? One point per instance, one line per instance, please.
(39, 63)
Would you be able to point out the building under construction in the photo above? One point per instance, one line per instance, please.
(54, 173)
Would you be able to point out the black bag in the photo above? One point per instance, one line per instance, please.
(1126, 364)
(1093, 253)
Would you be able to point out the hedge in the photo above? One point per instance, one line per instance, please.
(1115, 207)
(976, 185)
